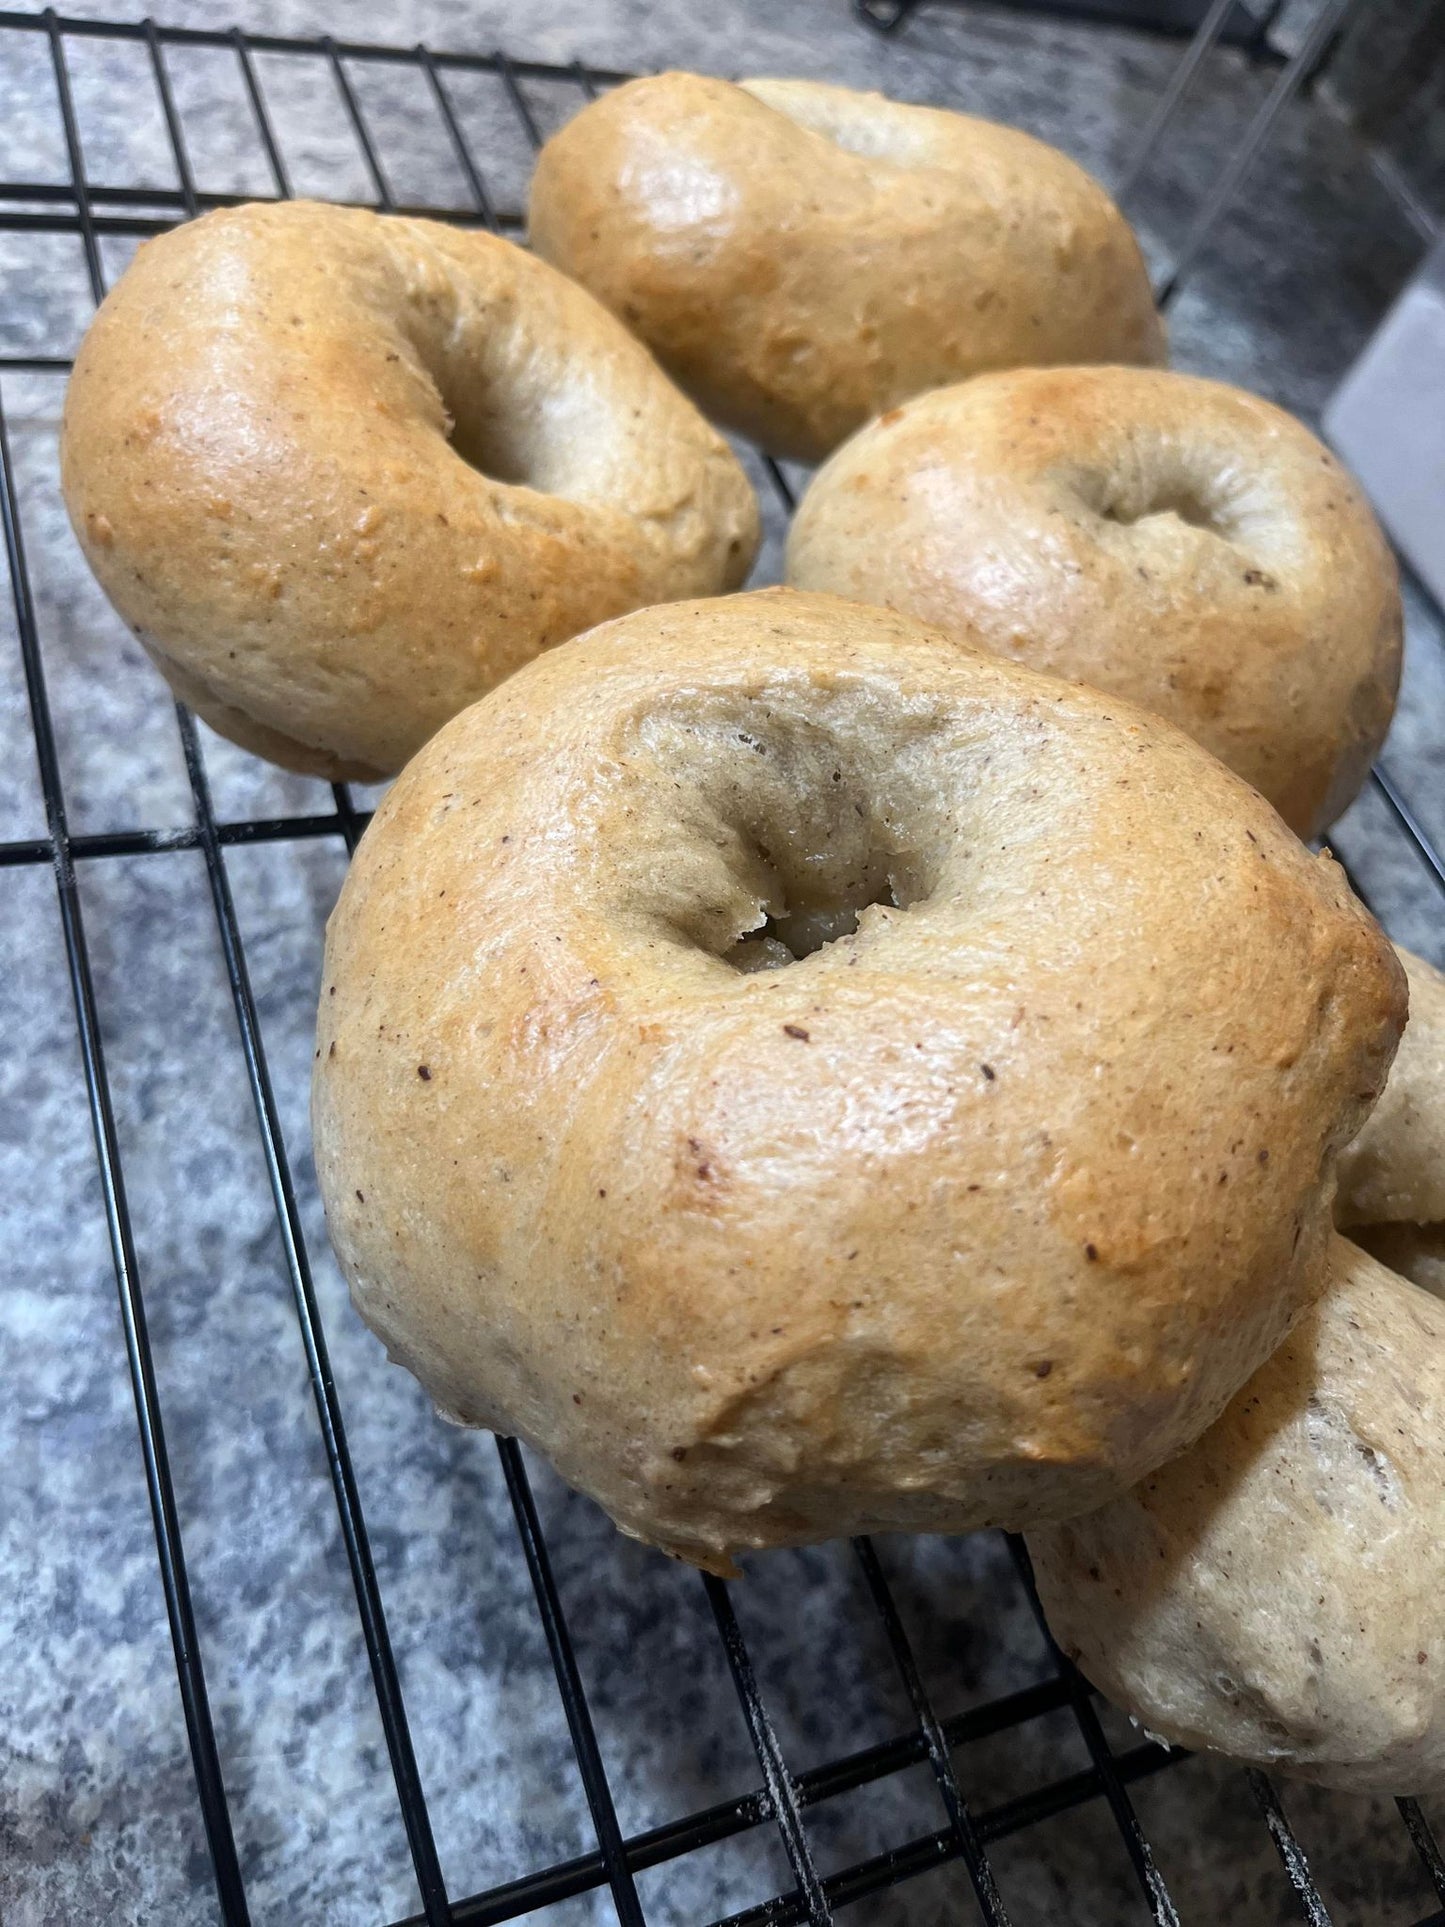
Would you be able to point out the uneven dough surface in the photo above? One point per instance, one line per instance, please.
(977, 1204)
(1394, 1171)
(342, 472)
(1168, 539)
(1275, 1593)
(802, 256)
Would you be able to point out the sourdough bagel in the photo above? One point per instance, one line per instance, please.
(1394, 1171)
(1168, 539)
(973, 1212)
(801, 257)
(342, 472)
(1275, 1593)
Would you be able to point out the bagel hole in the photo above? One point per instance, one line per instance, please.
(496, 439)
(803, 931)
(482, 443)
(1188, 508)
(789, 830)
(1143, 487)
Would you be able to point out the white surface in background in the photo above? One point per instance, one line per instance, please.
(1388, 421)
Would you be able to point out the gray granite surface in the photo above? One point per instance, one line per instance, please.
(98, 1822)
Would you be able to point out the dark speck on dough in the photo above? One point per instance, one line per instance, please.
(1043, 1368)
(796, 1030)
(361, 1197)
(1263, 1156)
(679, 1452)
(989, 1072)
(1091, 1252)
(423, 1071)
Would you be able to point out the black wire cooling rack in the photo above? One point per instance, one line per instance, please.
(92, 210)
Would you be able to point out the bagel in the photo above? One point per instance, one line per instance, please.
(342, 472)
(1168, 539)
(1274, 1594)
(979, 1203)
(801, 257)
(1394, 1171)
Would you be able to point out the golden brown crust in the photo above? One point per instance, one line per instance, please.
(1274, 1594)
(268, 455)
(971, 1215)
(1168, 539)
(801, 257)
(1394, 1171)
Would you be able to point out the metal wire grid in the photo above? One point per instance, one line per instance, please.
(91, 210)
(1238, 24)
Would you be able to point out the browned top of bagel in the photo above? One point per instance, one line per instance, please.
(975, 1211)
(802, 256)
(1169, 539)
(342, 472)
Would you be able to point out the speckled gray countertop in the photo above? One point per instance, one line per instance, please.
(98, 1820)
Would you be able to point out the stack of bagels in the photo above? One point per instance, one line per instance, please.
(875, 1054)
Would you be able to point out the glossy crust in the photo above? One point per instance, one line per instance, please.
(1168, 539)
(973, 1214)
(268, 454)
(801, 257)
(1394, 1171)
(1275, 1593)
